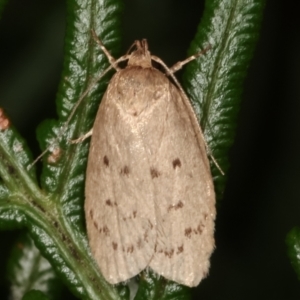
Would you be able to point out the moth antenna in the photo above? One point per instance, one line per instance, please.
(145, 44)
(213, 159)
(111, 59)
(171, 73)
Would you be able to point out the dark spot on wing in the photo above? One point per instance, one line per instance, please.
(106, 161)
(199, 228)
(176, 163)
(96, 225)
(176, 206)
(106, 230)
(139, 243)
(91, 214)
(154, 173)
(108, 202)
(169, 253)
(188, 232)
(180, 249)
(125, 171)
(134, 213)
(114, 245)
(130, 249)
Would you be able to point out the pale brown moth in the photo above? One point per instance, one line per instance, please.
(150, 200)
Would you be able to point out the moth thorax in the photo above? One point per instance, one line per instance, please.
(141, 56)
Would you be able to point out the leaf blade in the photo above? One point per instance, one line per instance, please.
(214, 82)
(293, 249)
(27, 270)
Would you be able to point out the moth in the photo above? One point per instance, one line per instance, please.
(149, 195)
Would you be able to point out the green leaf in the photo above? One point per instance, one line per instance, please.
(83, 62)
(35, 295)
(293, 248)
(54, 213)
(14, 157)
(214, 82)
(28, 269)
(153, 287)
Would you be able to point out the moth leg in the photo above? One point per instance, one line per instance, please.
(180, 64)
(82, 138)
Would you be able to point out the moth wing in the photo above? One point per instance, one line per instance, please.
(184, 193)
(119, 203)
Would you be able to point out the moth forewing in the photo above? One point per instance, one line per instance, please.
(150, 199)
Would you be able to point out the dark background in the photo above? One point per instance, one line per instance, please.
(261, 202)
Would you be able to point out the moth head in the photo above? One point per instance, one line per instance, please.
(141, 56)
